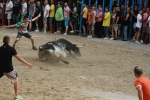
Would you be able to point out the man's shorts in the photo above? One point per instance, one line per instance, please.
(22, 16)
(106, 29)
(45, 20)
(118, 26)
(51, 20)
(138, 29)
(30, 17)
(58, 24)
(27, 35)
(93, 26)
(89, 27)
(37, 21)
(84, 21)
(9, 15)
(73, 20)
(134, 25)
(144, 30)
(12, 76)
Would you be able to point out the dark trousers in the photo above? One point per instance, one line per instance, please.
(15, 19)
(98, 29)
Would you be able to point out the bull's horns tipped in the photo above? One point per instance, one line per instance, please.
(80, 46)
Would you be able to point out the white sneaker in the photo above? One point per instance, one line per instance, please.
(72, 31)
(36, 30)
(65, 34)
(141, 41)
(137, 42)
(88, 36)
(106, 38)
(111, 38)
(133, 39)
(18, 97)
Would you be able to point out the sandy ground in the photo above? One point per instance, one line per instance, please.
(104, 72)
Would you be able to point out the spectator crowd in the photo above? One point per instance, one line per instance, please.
(95, 22)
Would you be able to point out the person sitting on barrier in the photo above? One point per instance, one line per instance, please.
(22, 26)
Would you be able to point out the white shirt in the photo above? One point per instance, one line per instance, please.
(94, 17)
(149, 20)
(74, 9)
(1, 5)
(139, 24)
(9, 5)
(24, 6)
(47, 7)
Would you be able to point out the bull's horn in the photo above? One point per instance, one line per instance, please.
(81, 46)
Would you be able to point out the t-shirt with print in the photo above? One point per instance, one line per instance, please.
(85, 10)
(139, 24)
(46, 8)
(9, 5)
(31, 8)
(99, 16)
(58, 13)
(149, 20)
(38, 10)
(52, 12)
(145, 84)
(119, 14)
(24, 6)
(66, 11)
(6, 53)
(1, 6)
(90, 17)
(145, 16)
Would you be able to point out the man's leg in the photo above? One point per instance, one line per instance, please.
(16, 88)
(30, 24)
(71, 26)
(32, 41)
(84, 31)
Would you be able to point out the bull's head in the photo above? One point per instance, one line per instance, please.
(76, 50)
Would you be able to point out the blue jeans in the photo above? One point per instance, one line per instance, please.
(125, 32)
(15, 19)
(66, 22)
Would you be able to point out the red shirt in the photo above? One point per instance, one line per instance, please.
(90, 17)
(145, 84)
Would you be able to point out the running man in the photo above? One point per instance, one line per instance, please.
(6, 67)
(23, 30)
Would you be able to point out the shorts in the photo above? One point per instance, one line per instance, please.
(45, 20)
(106, 29)
(93, 26)
(134, 25)
(51, 20)
(73, 20)
(89, 27)
(37, 21)
(24, 15)
(30, 17)
(117, 27)
(149, 31)
(9, 15)
(27, 35)
(66, 21)
(58, 24)
(138, 29)
(12, 76)
(84, 21)
(144, 30)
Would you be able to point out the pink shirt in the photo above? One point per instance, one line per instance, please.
(99, 17)
(145, 16)
(66, 11)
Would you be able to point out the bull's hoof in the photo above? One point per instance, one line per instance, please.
(66, 62)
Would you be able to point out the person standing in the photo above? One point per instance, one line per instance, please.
(84, 18)
(142, 84)
(24, 10)
(106, 23)
(32, 9)
(1, 9)
(51, 16)
(66, 17)
(99, 19)
(16, 11)
(126, 24)
(8, 10)
(6, 67)
(45, 16)
(148, 21)
(59, 18)
(37, 12)
(93, 21)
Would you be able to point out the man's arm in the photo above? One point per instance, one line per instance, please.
(127, 17)
(140, 92)
(35, 18)
(10, 26)
(24, 61)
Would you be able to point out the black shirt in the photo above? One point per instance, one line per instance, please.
(119, 14)
(38, 10)
(134, 18)
(6, 53)
(17, 8)
(127, 22)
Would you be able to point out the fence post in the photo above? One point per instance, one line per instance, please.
(103, 5)
(118, 2)
(110, 7)
(89, 2)
(140, 4)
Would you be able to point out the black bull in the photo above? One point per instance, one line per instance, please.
(62, 45)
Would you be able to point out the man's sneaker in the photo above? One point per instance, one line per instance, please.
(149, 44)
(44, 31)
(18, 97)
(141, 41)
(137, 42)
(106, 38)
(34, 48)
(65, 34)
(36, 30)
(111, 38)
(133, 39)
(72, 31)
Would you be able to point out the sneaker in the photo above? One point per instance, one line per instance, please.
(149, 44)
(111, 38)
(36, 30)
(133, 39)
(137, 42)
(65, 34)
(18, 97)
(105, 38)
(141, 41)
(72, 31)
(34, 48)
(44, 31)
(88, 36)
